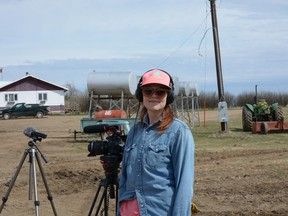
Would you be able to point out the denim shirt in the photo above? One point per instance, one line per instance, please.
(158, 170)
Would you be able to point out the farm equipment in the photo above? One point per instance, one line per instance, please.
(260, 112)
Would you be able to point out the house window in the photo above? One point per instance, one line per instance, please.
(11, 97)
(42, 96)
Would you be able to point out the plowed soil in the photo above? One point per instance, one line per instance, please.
(240, 182)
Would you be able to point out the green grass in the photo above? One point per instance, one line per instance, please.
(211, 137)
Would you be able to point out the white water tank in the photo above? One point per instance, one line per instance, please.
(176, 85)
(184, 88)
(112, 83)
(194, 90)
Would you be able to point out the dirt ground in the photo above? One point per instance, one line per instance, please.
(225, 183)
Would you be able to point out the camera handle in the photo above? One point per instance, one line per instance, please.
(33, 152)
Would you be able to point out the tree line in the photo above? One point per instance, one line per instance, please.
(211, 99)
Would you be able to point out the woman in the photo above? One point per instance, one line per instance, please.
(158, 162)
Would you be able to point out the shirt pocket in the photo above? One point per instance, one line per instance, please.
(157, 155)
(127, 159)
(130, 157)
(130, 154)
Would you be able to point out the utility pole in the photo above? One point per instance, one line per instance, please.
(222, 105)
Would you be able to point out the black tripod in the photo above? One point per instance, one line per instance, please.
(32, 151)
(111, 165)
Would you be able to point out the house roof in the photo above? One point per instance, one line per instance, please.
(4, 83)
(45, 85)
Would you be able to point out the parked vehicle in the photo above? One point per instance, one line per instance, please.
(22, 109)
(260, 112)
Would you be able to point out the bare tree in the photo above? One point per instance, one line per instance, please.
(71, 97)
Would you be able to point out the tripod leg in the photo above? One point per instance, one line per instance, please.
(95, 198)
(106, 201)
(50, 198)
(5, 198)
(36, 200)
(102, 183)
(116, 200)
(30, 178)
(104, 196)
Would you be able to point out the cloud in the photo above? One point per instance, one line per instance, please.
(76, 37)
(82, 29)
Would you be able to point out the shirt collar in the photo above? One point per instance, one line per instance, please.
(146, 120)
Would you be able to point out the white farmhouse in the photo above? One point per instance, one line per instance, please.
(30, 89)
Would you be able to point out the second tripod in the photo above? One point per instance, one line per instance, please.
(33, 151)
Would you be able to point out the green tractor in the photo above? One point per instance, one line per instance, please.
(260, 112)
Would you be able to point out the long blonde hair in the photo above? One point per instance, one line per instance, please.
(167, 118)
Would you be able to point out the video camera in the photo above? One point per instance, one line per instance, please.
(114, 143)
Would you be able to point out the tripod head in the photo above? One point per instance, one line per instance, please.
(35, 135)
(111, 164)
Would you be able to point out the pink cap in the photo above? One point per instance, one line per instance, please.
(156, 76)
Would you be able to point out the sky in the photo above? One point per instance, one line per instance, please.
(62, 41)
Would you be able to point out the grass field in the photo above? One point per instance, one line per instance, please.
(236, 172)
(240, 173)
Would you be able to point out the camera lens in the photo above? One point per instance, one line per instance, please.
(98, 148)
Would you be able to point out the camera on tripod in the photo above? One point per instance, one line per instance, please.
(111, 149)
(113, 144)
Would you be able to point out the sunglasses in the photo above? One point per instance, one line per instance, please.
(159, 92)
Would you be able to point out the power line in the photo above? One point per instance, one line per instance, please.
(184, 42)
